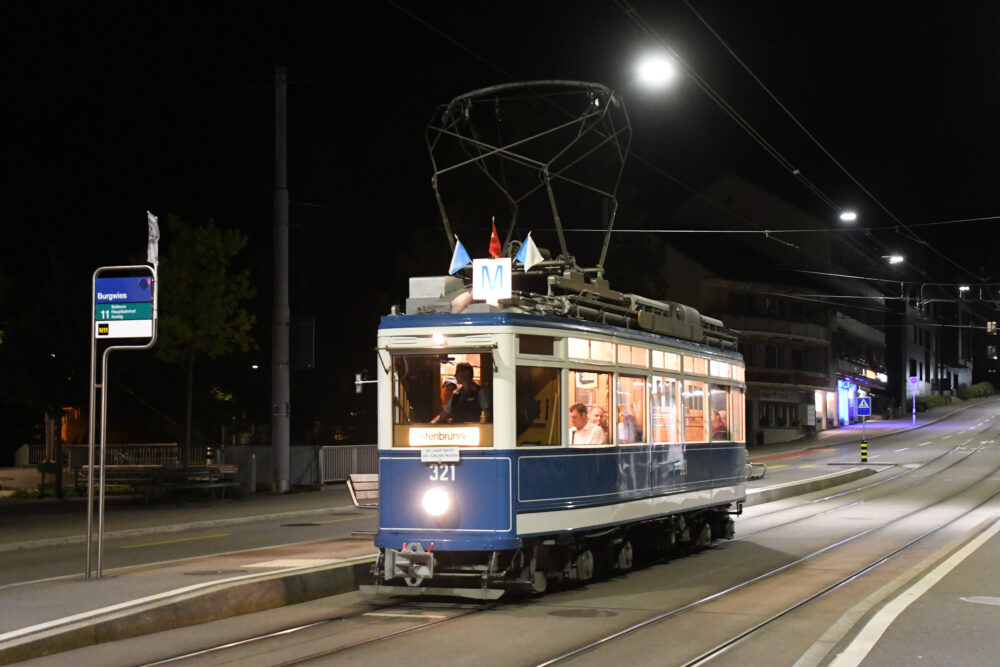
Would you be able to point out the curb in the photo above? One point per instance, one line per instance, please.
(780, 491)
(193, 605)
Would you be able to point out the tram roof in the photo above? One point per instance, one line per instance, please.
(556, 324)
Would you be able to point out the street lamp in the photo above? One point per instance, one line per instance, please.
(893, 259)
(848, 216)
(962, 289)
(655, 71)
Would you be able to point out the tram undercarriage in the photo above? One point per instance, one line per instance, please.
(548, 561)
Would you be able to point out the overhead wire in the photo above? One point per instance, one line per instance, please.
(910, 233)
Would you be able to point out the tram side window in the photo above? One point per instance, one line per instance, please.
(442, 388)
(538, 411)
(631, 404)
(694, 411)
(665, 405)
(593, 391)
(719, 405)
(736, 421)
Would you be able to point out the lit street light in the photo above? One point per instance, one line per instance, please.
(656, 71)
(893, 259)
(848, 216)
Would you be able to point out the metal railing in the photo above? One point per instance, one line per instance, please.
(336, 463)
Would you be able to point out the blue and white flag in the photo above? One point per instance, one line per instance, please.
(528, 255)
(460, 258)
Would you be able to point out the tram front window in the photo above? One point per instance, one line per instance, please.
(442, 388)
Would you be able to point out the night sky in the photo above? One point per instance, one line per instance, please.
(169, 107)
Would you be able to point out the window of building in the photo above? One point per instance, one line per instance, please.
(538, 410)
(665, 405)
(913, 367)
(772, 356)
(694, 411)
(593, 391)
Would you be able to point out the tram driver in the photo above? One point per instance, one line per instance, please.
(469, 403)
(583, 431)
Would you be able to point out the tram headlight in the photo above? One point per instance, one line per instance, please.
(437, 501)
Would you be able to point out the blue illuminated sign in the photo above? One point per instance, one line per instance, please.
(864, 406)
(132, 289)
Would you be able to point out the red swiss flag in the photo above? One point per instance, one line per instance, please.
(495, 242)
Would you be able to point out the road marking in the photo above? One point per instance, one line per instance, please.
(391, 615)
(983, 599)
(858, 649)
(179, 539)
(902, 450)
(945, 437)
(775, 467)
(923, 444)
(811, 465)
(875, 456)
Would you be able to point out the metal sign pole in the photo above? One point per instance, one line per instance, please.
(114, 324)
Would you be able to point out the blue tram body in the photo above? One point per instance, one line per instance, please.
(510, 501)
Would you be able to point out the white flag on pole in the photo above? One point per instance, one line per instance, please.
(153, 244)
(528, 255)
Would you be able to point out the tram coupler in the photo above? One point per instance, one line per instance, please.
(411, 564)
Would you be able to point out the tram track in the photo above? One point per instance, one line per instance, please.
(353, 644)
(222, 653)
(854, 574)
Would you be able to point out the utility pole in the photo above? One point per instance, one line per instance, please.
(280, 376)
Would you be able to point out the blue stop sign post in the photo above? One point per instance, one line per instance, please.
(864, 411)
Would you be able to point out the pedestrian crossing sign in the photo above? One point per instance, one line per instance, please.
(864, 406)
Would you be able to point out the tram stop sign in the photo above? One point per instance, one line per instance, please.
(864, 406)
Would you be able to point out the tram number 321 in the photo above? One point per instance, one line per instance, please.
(443, 473)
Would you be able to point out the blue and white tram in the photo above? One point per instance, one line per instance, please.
(580, 444)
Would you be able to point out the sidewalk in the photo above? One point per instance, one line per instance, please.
(61, 614)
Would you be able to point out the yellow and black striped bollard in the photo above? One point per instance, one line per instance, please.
(864, 451)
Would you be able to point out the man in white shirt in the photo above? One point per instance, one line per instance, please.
(583, 432)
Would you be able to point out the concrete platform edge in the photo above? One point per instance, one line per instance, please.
(223, 599)
(768, 494)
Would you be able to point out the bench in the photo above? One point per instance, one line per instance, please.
(364, 489)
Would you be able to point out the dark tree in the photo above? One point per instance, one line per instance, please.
(202, 302)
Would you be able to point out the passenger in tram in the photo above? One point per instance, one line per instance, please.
(720, 430)
(599, 416)
(469, 403)
(448, 388)
(628, 429)
(583, 431)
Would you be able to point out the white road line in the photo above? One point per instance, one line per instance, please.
(945, 437)
(862, 645)
(391, 615)
(922, 444)
(902, 450)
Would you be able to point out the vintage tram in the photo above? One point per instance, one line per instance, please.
(504, 493)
